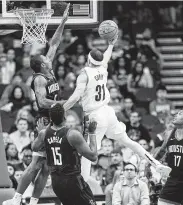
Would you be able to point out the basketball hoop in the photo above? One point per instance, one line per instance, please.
(34, 22)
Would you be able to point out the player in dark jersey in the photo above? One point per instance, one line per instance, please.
(172, 192)
(46, 91)
(63, 146)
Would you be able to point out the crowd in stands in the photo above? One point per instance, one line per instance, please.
(137, 95)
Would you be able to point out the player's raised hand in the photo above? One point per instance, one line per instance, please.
(40, 125)
(113, 40)
(66, 13)
(163, 170)
(92, 126)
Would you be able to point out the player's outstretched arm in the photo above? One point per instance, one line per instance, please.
(76, 140)
(108, 52)
(78, 92)
(40, 91)
(56, 39)
(39, 141)
(161, 152)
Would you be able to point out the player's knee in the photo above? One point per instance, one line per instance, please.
(37, 163)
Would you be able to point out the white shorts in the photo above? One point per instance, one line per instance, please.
(107, 124)
(40, 154)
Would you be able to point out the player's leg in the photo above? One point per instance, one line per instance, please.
(117, 131)
(63, 187)
(28, 176)
(100, 132)
(171, 193)
(39, 183)
(83, 193)
(160, 202)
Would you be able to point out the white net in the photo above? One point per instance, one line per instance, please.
(34, 22)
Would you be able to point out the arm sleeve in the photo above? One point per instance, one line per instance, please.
(79, 91)
(107, 55)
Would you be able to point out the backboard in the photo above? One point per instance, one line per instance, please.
(83, 14)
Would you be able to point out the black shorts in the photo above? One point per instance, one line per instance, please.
(72, 190)
(172, 191)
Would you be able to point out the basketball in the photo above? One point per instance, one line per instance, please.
(108, 29)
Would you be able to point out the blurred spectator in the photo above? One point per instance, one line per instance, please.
(128, 108)
(110, 84)
(25, 114)
(78, 64)
(26, 71)
(69, 81)
(6, 138)
(168, 14)
(67, 41)
(11, 171)
(98, 173)
(60, 74)
(11, 153)
(26, 159)
(120, 76)
(4, 75)
(80, 50)
(16, 81)
(135, 129)
(109, 188)
(130, 190)
(161, 107)
(100, 44)
(1, 48)
(141, 14)
(21, 137)
(115, 99)
(10, 64)
(34, 108)
(140, 78)
(18, 175)
(116, 164)
(104, 154)
(72, 120)
(144, 144)
(18, 98)
(148, 45)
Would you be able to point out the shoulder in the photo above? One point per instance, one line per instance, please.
(40, 80)
(83, 77)
(39, 77)
(73, 136)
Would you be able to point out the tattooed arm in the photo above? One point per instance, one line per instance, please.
(161, 152)
(40, 92)
(56, 39)
(39, 141)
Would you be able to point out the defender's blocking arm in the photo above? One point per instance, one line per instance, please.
(56, 39)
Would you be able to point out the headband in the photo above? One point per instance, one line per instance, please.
(93, 61)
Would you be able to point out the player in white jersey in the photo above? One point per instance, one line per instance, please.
(92, 91)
